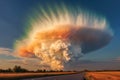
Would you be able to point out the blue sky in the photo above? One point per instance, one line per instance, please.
(14, 14)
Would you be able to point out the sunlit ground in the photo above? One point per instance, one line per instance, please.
(111, 75)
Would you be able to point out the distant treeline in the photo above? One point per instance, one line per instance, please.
(18, 69)
(85, 70)
(14, 69)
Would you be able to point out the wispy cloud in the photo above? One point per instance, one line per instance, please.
(6, 51)
(7, 54)
(117, 59)
(24, 61)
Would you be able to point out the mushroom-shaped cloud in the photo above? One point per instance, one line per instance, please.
(59, 36)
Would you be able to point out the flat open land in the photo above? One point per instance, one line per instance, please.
(17, 76)
(107, 75)
(79, 76)
(110, 75)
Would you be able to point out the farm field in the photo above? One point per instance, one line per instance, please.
(107, 75)
(110, 75)
(17, 76)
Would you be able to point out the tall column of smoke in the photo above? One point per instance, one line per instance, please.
(58, 36)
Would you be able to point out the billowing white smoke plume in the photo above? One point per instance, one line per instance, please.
(59, 36)
(57, 53)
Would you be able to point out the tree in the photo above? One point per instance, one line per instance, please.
(19, 69)
(9, 70)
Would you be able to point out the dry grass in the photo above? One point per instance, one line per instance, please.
(103, 75)
(17, 76)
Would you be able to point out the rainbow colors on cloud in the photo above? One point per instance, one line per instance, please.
(62, 34)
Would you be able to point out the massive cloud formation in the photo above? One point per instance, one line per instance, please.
(62, 35)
